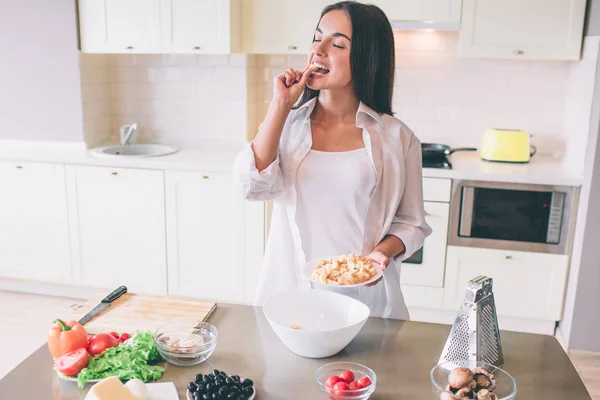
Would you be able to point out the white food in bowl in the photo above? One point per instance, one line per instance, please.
(329, 321)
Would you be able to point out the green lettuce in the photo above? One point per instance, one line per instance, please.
(128, 361)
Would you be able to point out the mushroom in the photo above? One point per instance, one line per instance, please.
(484, 378)
(460, 377)
(485, 394)
(447, 396)
(464, 393)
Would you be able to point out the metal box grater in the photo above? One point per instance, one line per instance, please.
(475, 335)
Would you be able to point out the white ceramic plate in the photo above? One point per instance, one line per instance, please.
(74, 379)
(189, 396)
(309, 267)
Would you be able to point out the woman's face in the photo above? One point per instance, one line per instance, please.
(331, 51)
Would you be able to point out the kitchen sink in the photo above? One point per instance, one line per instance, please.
(135, 150)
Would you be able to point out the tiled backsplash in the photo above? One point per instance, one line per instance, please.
(184, 99)
(179, 99)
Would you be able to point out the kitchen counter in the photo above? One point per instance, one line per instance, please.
(400, 353)
(217, 157)
(540, 170)
(208, 157)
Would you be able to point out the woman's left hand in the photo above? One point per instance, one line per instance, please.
(382, 261)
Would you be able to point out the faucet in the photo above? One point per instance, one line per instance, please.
(126, 132)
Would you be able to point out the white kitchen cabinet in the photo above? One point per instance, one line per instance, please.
(526, 285)
(430, 271)
(421, 10)
(518, 29)
(215, 239)
(118, 228)
(120, 26)
(202, 26)
(280, 27)
(34, 230)
(160, 26)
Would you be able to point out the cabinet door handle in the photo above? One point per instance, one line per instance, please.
(114, 173)
(129, 47)
(197, 47)
(292, 47)
(507, 256)
(518, 52)
(205, 177)
(19, 167)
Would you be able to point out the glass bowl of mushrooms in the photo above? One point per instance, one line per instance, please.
(467, 379)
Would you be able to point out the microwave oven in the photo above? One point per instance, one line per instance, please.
(512, 216)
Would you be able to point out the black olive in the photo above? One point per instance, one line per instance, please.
(210, 388)
(247, 382)
(236, 378)
(248, 390)
(207, 378)
(223, 390)
(242, 397)
(231, 395)
(235, 387)
(229, 381)
(197, 396)
(199, 378)
(192, 387)
(215, 396)
(201, 388)
(206, 396)
(216, 372)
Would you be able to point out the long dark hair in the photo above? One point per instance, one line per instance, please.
(372, 58)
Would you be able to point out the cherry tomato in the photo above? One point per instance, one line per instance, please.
(347, 376)
(101, 342)
(364, 382)
(71, 363)
(114, 334)
(124, 337)
(341, 388)
(353, 385)
(332, 380)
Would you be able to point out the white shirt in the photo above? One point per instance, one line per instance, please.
(333, 187)
(395, 208)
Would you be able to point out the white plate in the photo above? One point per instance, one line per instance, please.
(189, 396)
(155, 391)
(309, 267)
(74, 378)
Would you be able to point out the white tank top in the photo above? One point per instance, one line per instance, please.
(333, 189)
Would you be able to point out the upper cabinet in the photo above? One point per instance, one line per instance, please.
(120, 26)
(160, 26)
(422, 10)
(531, 29)
(281, 27)
(202, 26)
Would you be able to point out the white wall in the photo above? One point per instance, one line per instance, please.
(39, 71)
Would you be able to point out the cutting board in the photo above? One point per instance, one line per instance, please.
(132, 312)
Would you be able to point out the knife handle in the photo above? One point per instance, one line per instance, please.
(115, 294)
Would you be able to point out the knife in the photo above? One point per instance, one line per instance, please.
(104, 304)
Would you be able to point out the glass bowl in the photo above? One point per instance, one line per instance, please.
(506, 387)
(335, 368)
(185, 346)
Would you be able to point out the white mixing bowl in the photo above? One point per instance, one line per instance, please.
(328, 321)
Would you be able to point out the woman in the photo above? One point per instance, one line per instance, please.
(344, 174)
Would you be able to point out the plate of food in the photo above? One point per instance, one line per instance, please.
(344, 271)
(232, 386)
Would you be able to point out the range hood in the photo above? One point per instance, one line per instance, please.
(427, 26)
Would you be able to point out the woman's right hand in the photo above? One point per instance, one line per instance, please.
(289, 85)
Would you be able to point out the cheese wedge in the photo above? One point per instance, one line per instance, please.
(111, 389)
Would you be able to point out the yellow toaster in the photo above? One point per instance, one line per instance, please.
(505, 145)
